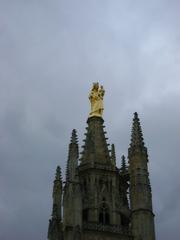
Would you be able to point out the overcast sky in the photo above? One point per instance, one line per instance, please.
(50, 53)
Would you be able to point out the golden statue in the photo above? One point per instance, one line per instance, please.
(96, 98)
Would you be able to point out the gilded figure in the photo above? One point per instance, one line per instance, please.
(96, 98)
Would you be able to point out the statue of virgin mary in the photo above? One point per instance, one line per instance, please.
(96, 98)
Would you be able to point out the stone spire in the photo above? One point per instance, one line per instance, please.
(73, 155)
(95, 150)
(136, 136)
(58, 174)
(57, 194)
(74, 138)
(123, 168)
(72, 192)
(55, 225)
(140, 189)
(124, 178)
(67, 171)
(113, 155)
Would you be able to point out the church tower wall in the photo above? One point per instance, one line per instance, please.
(100, 200)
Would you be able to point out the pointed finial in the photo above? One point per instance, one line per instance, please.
(113, 154)
(123, 164)
(74, 138)
(135, 115)
(58, 174)
(136, 136)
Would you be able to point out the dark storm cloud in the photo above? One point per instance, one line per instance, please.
(50, 53)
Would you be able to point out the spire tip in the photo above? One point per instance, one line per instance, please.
(74, 136)
(136, 136)
(58, 173)
(135, 114)
(123, 168)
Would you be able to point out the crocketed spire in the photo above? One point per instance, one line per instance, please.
(140, 189)
(55, 225)
(95, 149)
(136, 136)
(67, 170)
(57, 194)
(113, 155)
(73, 155)
(74, 138)
(123, 168)
(58, 174)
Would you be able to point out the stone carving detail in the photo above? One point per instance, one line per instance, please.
(96, 193)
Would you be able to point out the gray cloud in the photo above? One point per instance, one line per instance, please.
(50, 53)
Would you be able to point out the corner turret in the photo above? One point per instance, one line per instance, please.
(113, 155)
(55, 224)
(72, 200)
(73, 155)
(140, 190)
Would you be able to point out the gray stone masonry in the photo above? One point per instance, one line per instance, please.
(99, 200)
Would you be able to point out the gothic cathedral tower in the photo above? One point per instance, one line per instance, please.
(99, 200)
